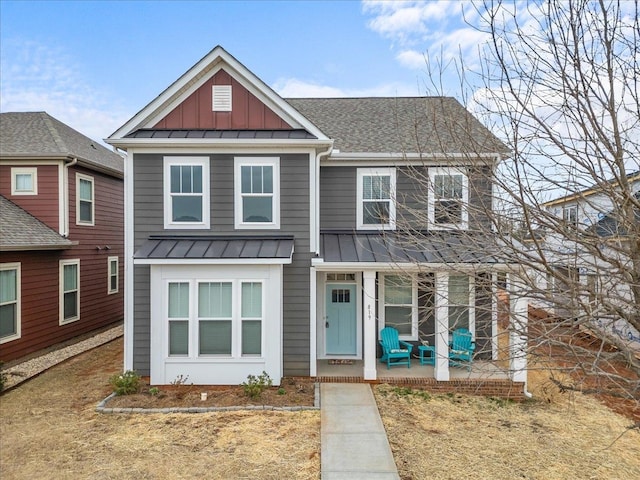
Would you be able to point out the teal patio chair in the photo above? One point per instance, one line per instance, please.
(394, 350)
(461, 348)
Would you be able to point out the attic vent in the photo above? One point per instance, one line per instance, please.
(222, 98)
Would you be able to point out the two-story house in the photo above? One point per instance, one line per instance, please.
(61, 234)
(266, 234)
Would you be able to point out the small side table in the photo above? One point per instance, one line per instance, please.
(429, 360)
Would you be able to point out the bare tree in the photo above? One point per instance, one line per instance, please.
(558, 83)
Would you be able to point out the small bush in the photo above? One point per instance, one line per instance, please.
(281, 391)
(126, 383)
(154, 391)
(254, 386)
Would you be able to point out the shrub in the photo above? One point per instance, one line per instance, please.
(126, 383)
(254, 386)
(154, 391)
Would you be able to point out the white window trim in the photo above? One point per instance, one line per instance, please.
(80, 176)
(62, 320)
(111, 291)
(414, 306)
(464, 225)
(273, 162)
(387, 171)
(206, 193)
(17, 267)
(33, 171)
(236, 320)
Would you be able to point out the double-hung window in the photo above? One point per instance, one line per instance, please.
(570, 215)
(448, 199)
(376, 198)
(257, 192)
(24, 181)
(215, 318)
(186, 192)
(400, 302)
(461, 300)
(85, 202)
(178, 314)
(113, 275)
(69, 291)
(9, 302)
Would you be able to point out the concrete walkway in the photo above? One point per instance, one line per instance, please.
(354, 442)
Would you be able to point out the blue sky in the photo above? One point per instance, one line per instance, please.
(93, 64)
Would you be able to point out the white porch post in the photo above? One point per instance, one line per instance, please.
(313, 319)
(518, 306)
(442, 326)
(369, 321)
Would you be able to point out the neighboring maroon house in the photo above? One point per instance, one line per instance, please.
(61, 234)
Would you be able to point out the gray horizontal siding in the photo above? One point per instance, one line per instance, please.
(296, 304)
(338, 198)
(141, 320)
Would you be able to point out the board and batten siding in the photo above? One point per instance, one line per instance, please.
(294, 220)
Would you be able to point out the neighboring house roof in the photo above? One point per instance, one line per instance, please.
(19, 230)
(217, 248)
(427, 125)
(396, 247)
(609, 226)
(37, 135)
(631, 177)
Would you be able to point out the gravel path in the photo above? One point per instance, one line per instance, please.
(20, 372)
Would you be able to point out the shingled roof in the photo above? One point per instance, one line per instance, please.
(427, 125)
(19, 230)
(39, 135)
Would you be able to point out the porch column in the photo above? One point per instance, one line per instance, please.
(369, 324)
(442, 326)
(518, 306)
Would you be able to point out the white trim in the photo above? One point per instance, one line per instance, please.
(414, 304)
(129, 249)
(448, 171)
(358, 159)
(90, 179)
(63, 203)
(441, 309)
(321, 265)
(168, 162)
(313, 322)
(274, 163)
(62, 264)
(369, 324)
(379, 172)
(111, 291)
(33, 172)
(17, 267)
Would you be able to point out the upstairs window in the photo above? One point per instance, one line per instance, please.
(186, 192)
(448, 199)
(24, 181)
(570, 215)
(376, 198)
(9, 302)
(85, 204)
(257, 195)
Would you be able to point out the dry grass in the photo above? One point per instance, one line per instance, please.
(48, 429)
(456, 436)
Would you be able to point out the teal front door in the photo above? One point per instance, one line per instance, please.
(340, 322)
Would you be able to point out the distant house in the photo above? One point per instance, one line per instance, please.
(589, 258)
(61, 234)
(264, 234)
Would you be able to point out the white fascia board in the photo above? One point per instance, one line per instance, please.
(358, 159)
(320, 265)
(212, 261)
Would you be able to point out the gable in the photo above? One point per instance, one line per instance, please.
(247, 111)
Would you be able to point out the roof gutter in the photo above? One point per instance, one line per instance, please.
(65, 196)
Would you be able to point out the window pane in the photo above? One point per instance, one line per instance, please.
(70, 304)
(8, 283)
(24, 182)
(251, 337)
(175, 179)
(398, 290)
(197, 179)
(375, 213)
(185, 179)
(257, 209)
(178, 300)
(245, 173)
(113, 282)
(447, 211)
(398, 318)
(458, 290)
(85, 190)
(179, 338)
(251, 300)
(113, 267)
(458, 317)
(215, 337)
(70, 277)
(85, 211)
(456, 186)
(256, 179)
(367, 187)
(8, 320)
(267, 179)
(215, 300)
(187, 209)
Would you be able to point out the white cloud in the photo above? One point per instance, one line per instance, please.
(39, 77)
(296, 88)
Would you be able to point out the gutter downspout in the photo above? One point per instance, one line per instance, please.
(319, 155)
(65, 196)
